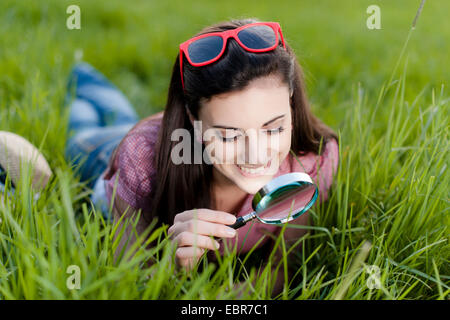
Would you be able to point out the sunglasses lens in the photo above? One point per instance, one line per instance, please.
(205, 49)
(257, 37)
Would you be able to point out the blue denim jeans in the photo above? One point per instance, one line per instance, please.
(100, 116)
(3, 175)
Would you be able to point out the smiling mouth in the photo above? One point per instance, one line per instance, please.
(253, 171)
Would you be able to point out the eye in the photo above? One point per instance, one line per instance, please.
(230, 138)
(269, 132)
(275, 131)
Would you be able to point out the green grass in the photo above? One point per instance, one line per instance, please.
(388, 205)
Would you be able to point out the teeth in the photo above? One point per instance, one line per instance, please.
(252, 171)
(258, 170)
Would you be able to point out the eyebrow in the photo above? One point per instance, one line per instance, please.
(265, 124)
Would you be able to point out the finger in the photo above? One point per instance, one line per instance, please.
(195, 240)
(171, 231)
(206, 215)
(187, 264)
(204, 228)
(188, 252)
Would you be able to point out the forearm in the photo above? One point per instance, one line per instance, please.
(283, 270)
(278, 273)
(127, 229)
(277, 281)
(280, 280)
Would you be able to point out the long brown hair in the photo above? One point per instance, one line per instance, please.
(181, 187)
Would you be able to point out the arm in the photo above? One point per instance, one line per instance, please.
(327, 169)
(129, 234)
(291, 236)
(191, 231)
(131, 178)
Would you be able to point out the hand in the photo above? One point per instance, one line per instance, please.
(192, 229)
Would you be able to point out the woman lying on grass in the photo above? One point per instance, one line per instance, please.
(240, 96)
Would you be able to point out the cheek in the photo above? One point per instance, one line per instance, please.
(279, 145)
(285, 142)
(223, 153)
(229, 152)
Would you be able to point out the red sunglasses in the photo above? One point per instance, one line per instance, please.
(207, 48)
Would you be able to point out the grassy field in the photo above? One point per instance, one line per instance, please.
(388, 206)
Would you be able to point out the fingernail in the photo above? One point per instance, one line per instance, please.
(230, 232)
(231, 219)
(217, 245)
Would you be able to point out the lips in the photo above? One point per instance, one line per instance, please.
(253, 171)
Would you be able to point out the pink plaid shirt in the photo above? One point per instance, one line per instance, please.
(134, 183)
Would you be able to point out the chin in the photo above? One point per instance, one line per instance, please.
(252, 187)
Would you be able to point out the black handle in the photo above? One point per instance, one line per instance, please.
(240, 222)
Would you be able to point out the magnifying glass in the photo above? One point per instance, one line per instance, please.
(283, 199)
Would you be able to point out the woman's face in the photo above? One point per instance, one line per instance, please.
(247, 134)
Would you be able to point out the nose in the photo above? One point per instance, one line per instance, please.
(251, 147)
(256, 145)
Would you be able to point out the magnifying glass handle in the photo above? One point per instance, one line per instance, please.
(241, 221)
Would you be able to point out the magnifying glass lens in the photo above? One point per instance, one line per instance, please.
(287, 203)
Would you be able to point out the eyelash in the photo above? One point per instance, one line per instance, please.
(273, 131)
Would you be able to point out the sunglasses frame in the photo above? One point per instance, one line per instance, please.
(233, 33)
